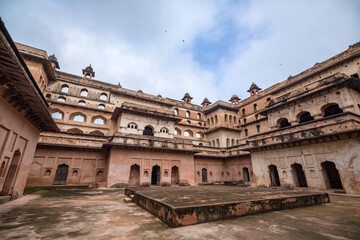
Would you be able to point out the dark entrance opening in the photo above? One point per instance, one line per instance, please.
(284, 123)
(204, 175)
(155, 175)
(274, 176)
(332, 110)
(10, 177)
(148, 131)
(61, 174)
(134, 179)
(298, 175)
(174, 175)
(305, 117)
(332, 174)
(246, 174)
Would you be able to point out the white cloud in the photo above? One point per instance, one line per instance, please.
(140, 43)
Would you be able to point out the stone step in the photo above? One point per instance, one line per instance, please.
(128, 200)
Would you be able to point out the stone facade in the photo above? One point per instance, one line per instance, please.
(303, 131)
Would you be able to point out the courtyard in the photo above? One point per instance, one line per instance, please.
(102, 214)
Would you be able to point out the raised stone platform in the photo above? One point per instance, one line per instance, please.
(181, 206)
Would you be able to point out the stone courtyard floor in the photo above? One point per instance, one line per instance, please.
(102, 214)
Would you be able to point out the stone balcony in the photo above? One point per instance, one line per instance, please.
(150, 142)
(72, 140)
(326, 129)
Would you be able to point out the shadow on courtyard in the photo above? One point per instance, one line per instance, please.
(102, 214)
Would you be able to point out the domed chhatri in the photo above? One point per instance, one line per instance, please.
(254, 89)
(206, 102)
(54, 61)
(88, 72)
(187, 98)
(234, 99)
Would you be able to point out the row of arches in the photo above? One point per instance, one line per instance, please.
(327, 110)
(78, 117)
(80, 102)
(331, 175)
(83, 92)
(188, 114)
(62, 173)
(148, 130)
(188, 133)
(231, 142)
(79, 131)
(245, 170)
(134, 176)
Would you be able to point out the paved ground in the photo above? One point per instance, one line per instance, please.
(212, 194)
(102, 214)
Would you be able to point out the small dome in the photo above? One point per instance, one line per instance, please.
(187, 95)
(89, 69)
(53, 58)
(234, 97)
(254, 86)
(206, 100)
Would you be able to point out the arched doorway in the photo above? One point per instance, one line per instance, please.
(10, 177)
(148, 131)
(332, 177)
(174, 175)
(298, 175)
(204, 175)
(155, 175)
(134, 178)
(274, 176)
(61, 174)
(246, 174)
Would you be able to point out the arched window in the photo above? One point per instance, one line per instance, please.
(234, 119)
(246, 132)
(268, 99)
(177, 131)
(283, 122)
(256, 116)
(208, 121)
(57, 115)
(176, 111)
(61, 99)
(199, 124)
(217, 143)
(226, 117)
(164, 130)
(188, 133)
(198, 116)
(103, 97)
(212, 120)
(255, 107)
(48, 95)
(82, 103)
(332, 109)
(74, 130)
(216, 119)
(148, 131)
(198, 135)
(132, 125)
(101, 106)
(65, 88)
(244, 120)
(99, 120)
(187, 114)
(98, 133)
(230, 118)
(243, 111)
(232, 142)
(258, 128)
(188, 122)
(305, 117)
(227, 142)
(78, 117)
(84, 93)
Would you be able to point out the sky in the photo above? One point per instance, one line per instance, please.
(208, 48)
